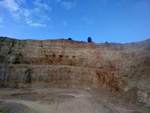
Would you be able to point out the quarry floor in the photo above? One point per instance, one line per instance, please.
(64, 100)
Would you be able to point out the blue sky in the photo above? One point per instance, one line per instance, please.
(120, 21)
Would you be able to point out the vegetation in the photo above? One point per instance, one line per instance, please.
(3, 37)
(69, 39)
(89, 39)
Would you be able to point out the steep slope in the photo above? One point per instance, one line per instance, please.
(65, 63)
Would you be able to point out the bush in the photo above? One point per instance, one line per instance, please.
(69, 39)
(89, 39)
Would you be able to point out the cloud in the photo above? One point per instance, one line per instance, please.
(26, 12)
(67, 5)
(21, 1)
(35, 14)
(35, 24)
(10, 4)
(39, 4)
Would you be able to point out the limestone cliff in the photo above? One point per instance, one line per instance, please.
(66, 63)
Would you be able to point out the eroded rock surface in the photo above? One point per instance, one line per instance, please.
(64, 63)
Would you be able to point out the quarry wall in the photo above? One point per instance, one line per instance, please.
(66, 63)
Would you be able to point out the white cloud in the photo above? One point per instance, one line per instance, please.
(35, 24)
(10, 4)
(67, 5)
(13, 6)
(39, 4)
(26, 12)
(21, 1)
(33, 16)
(36, 14)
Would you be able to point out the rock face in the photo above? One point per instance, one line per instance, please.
(66, 63)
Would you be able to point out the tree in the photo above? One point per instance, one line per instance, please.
(69, 39)
(89, 39)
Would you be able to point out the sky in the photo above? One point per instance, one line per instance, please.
(119, 21)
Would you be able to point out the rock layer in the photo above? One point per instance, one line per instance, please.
(66, 63)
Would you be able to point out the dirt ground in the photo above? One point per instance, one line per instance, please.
(64, 100)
